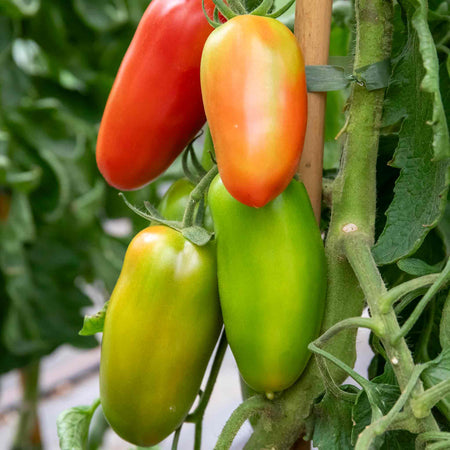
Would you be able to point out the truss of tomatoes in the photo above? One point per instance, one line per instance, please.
(264, 274)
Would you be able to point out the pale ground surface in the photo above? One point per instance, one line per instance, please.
(66, 362)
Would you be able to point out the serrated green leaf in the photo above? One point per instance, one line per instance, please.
(376, 402)
(333, 422)
(94, 324)
(197, 235)
(73, 426)
(417, 267)
(423, 152)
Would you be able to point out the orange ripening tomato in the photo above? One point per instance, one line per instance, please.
(254, 92)
(155, 105)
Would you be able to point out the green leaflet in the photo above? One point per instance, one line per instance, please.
(333, 421)
(73, 426)
(423, 152)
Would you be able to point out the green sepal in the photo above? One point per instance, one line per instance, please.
(197, 235)
(94, 324)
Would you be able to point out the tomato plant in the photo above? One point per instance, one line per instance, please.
(383, 221)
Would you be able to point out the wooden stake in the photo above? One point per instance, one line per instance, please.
(312, 29)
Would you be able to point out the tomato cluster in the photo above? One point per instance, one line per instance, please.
(264, 271)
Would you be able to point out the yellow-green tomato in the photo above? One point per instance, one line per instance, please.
(161, 326)
(272, 283)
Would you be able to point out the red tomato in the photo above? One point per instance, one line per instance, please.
(254, 93)
(155, 105)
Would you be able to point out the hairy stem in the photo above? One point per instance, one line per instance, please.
(244, 411)
(196, 195)
(380, 426)
(197, 416)
(422, 404)
(396, 293)
(358, 252)
(442, 279)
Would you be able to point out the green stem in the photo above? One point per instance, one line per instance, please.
(347, 369)
(443, 278)
(262, 8)
(330, 384)
(196, 195)
(224, 9)
(423, 438)
(408, 299)
(28, 433)
(381, 425)
(244, 411)
(176, 438)
(237, 6)
(359, 255)
(352, 322)
(197, 416)
(439, 446)
(423, 354)
(422, 404)
(396, 293)
(208, 159)
(204, 399)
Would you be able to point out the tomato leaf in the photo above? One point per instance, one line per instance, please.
(423, 150)
(197, 235)
(73, 426)
(417, 267)
(373, 404)
(94, 324)
(333, 422)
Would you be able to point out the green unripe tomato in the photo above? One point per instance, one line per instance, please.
(174, 202)
(161, 326)
(272, 283)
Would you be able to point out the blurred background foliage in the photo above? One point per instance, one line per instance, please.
(58, 60)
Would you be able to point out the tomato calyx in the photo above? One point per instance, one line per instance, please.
(232, 8)
(191, 227)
